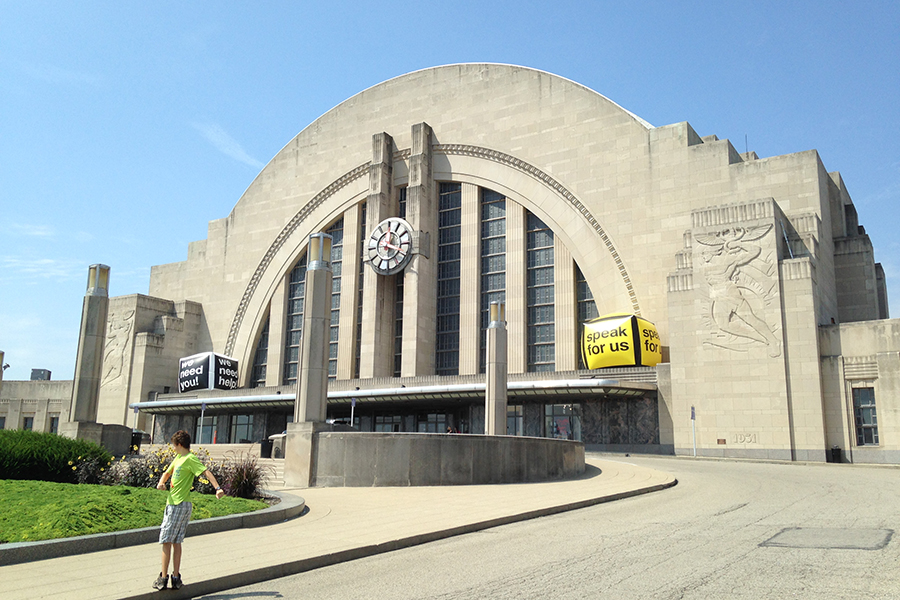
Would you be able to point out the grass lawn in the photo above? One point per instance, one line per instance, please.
(41, 510)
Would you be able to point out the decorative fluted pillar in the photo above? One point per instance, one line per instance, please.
(496, 372)
(91, 343)
(312, 378)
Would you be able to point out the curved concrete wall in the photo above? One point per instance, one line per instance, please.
(416, 459)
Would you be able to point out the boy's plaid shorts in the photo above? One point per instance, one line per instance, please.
(175, 522)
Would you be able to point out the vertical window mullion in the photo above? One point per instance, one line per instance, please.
(337, 252)
(260, 358)
(449, 230)
(294, 322)
(493, 259)
(540, 310)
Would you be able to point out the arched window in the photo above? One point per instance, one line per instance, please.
(294, 321)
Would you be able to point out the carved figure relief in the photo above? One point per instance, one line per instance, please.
(118, 340)
(741, 285)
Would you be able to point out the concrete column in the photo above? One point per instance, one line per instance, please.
(312, 378)
(312, 386)
(470, 282)
(564, 307)
(376, 354)
(496, 367)
(275, 353)
(420, 276)
(515, 280)
(91, 341)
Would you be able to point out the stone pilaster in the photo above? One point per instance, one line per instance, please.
(566, 328)
(515, 280)
(376, 354)
(275, 353)
(801, 354)
(346, 363)
(469, 284)
(420, 276)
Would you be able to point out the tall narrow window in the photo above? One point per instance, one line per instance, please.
(398, 325)
(260, 358)
(54, 424)
(398, 300)
(493, 259)
(539, 296)
(449, 219)
(337, 253)
(587, 308)
(294, 322)
(866, 419)
(27, 423)
(359, 296)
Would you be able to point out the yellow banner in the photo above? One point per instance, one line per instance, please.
(620, 340)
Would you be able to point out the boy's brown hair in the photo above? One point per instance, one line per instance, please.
(182, 438)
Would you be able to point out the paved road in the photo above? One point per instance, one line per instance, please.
(714, 535)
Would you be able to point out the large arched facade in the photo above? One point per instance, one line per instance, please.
(526, 187)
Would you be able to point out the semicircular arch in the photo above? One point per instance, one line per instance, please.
(524, 183)
(550, 200)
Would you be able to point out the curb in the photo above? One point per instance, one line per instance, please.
(21, 552)
(235, 580)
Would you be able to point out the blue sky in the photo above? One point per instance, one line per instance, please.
(125, 128)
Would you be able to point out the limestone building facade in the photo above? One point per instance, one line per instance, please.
(524, 187)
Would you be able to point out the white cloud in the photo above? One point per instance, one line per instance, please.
(226, 144)
(33, 270)
(41, 231)
(56, 75)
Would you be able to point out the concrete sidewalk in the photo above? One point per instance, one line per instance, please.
(341, 524)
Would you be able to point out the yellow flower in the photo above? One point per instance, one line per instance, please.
(70, 462)
(74, 468)
(101, 469)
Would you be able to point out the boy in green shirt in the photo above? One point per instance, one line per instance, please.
(183, 470)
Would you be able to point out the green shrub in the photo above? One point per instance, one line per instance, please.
(243, 476)
(49, 457)
(146, 469)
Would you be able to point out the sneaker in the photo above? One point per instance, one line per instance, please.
(176, 582)
(162, 582)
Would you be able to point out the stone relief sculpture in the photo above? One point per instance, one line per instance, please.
(118, 338)
(740, 287)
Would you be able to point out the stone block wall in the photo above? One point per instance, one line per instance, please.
(410, 459)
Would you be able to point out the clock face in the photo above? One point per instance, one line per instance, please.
(390, 246)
